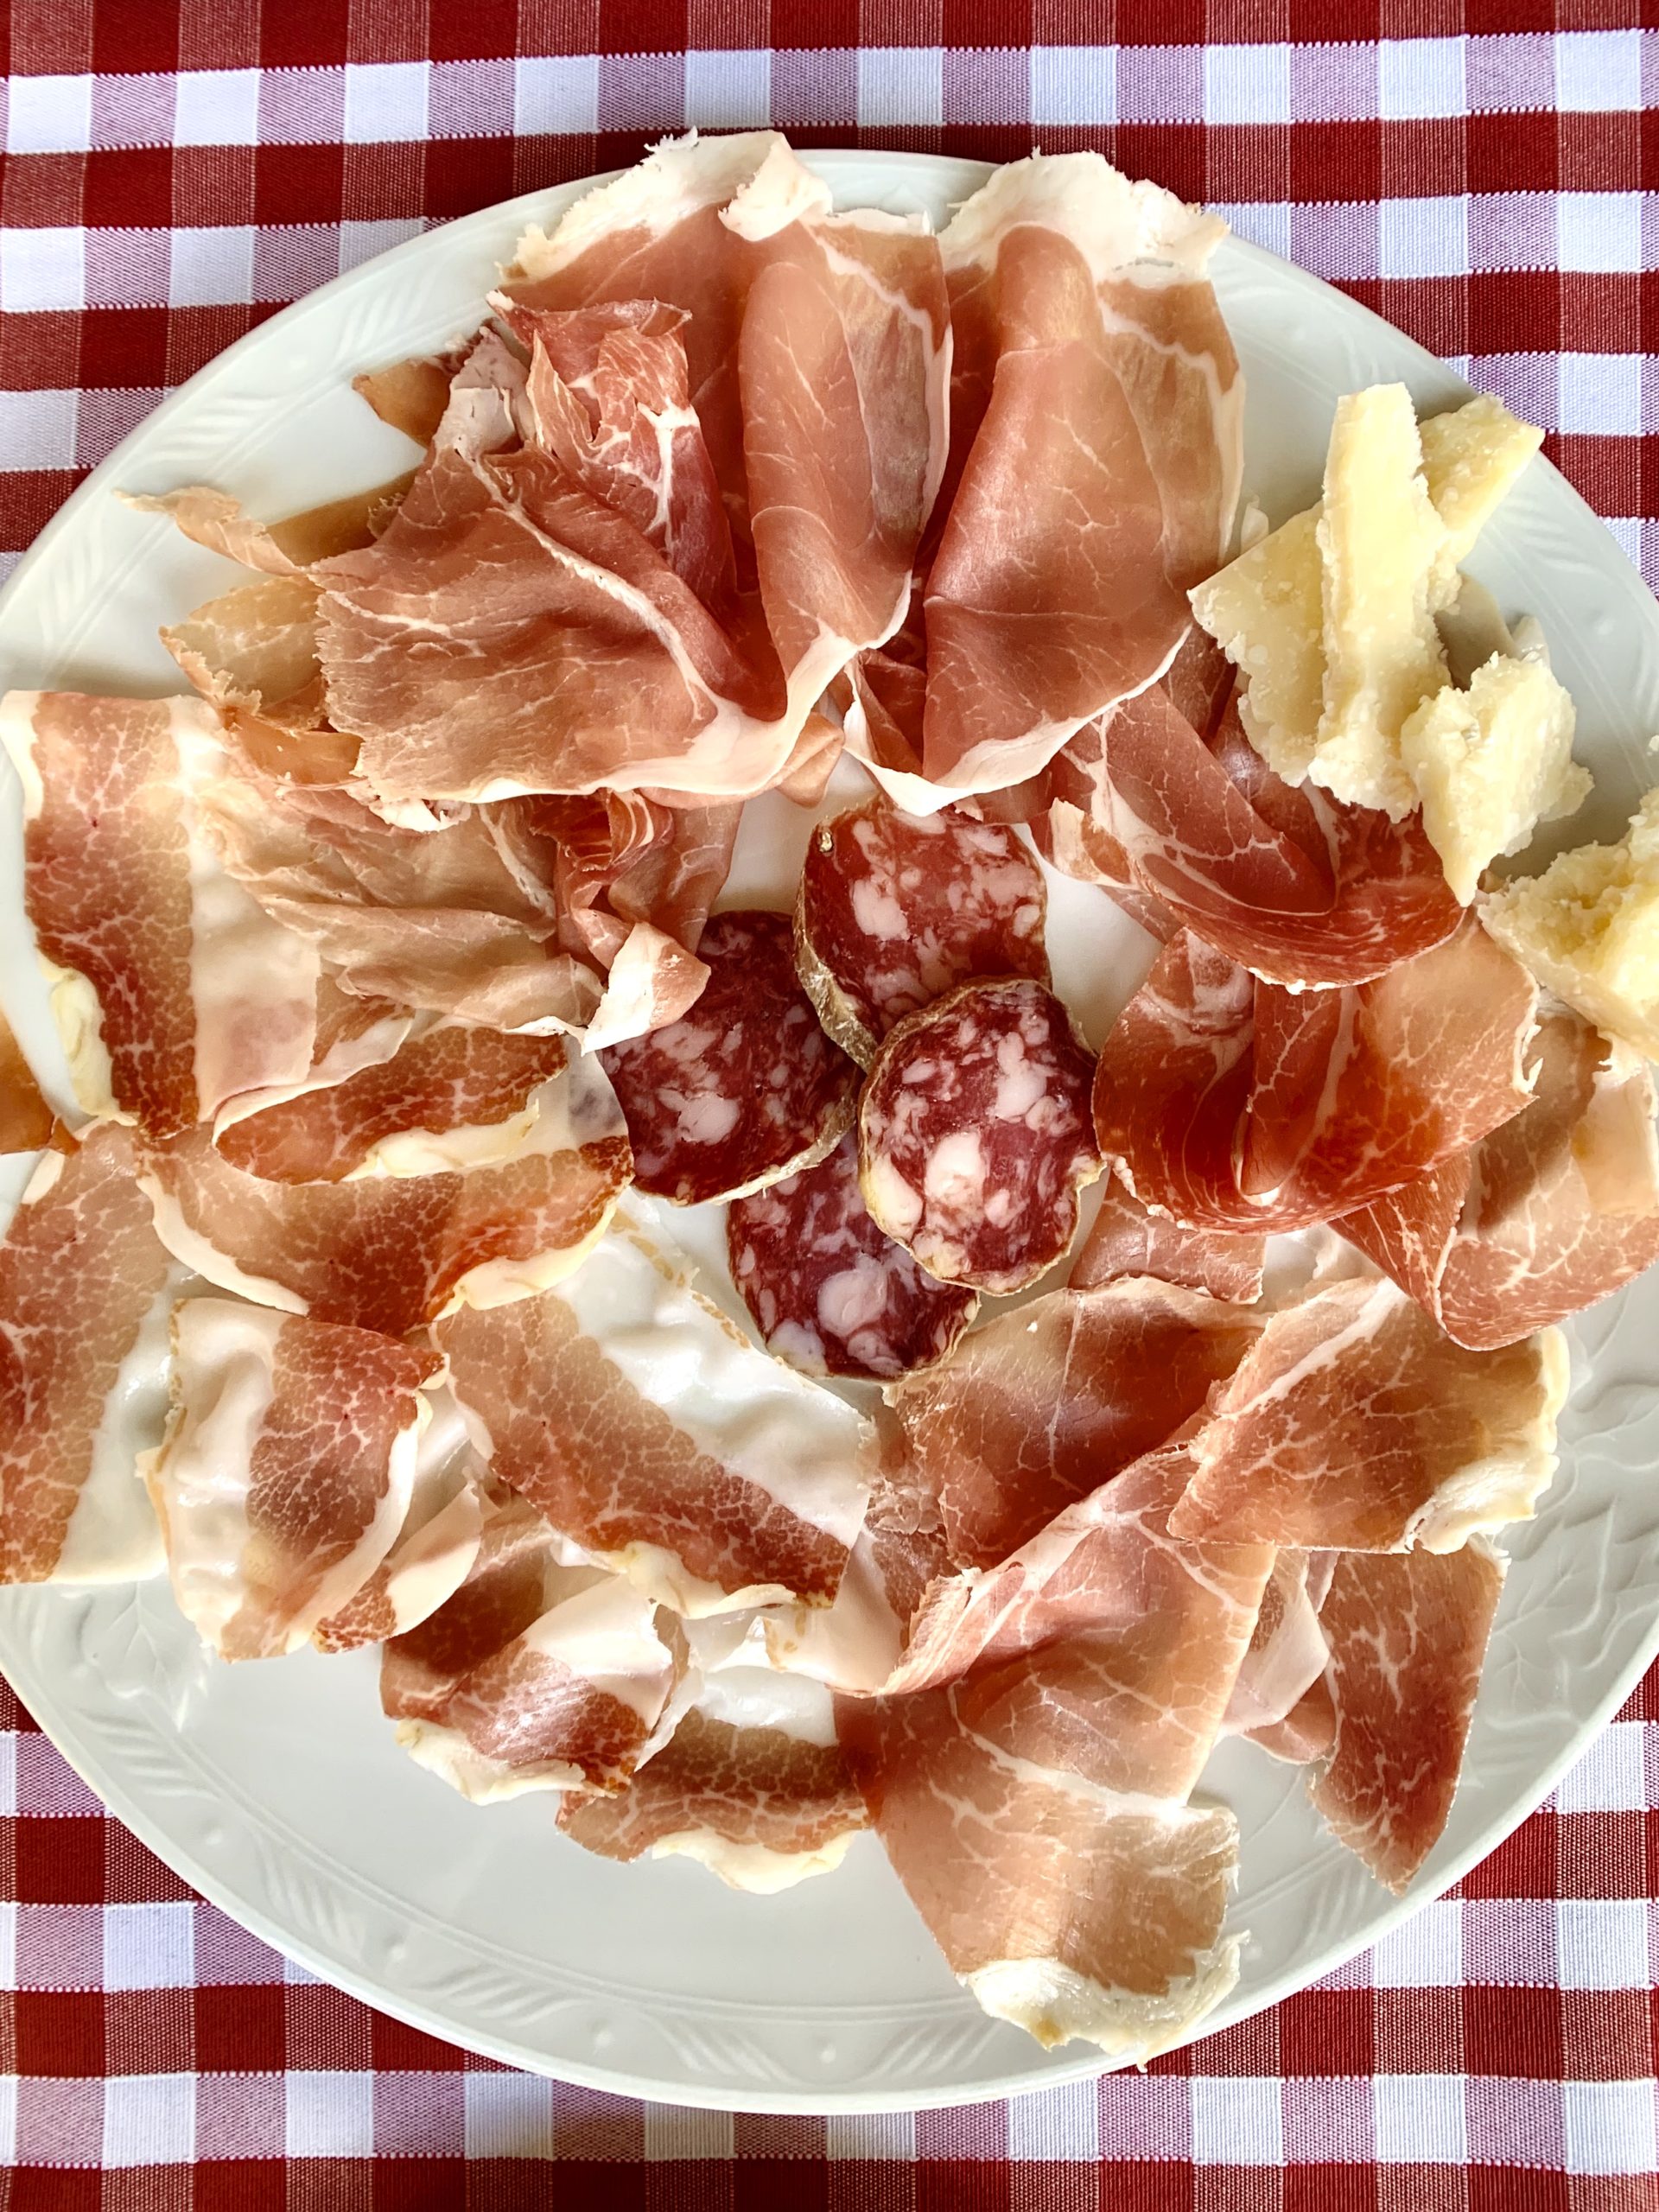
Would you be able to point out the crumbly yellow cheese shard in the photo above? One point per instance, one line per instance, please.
(1472, 457)
(1588, 929)
(1381, 540)
(1490, 763)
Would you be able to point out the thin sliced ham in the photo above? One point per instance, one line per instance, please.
(1125, 1239)
(1407, 1639)
(751, 1784)
(286, 1471)
(1044, 1403)
(1355, 1425)
(390, 1252)
(535, 1674)
(172, 988)
(253, 654)
(85, 1290)
(1554, 1210)
(26, 1120)
(631, 1413)
(1280, 1681)
(1226, 1102)
(217, 521)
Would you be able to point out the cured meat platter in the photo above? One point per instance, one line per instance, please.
(278, 1789)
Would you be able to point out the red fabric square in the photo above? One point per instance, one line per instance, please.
(59, 1861)
(1513, 2032)
(58, 2032)
(242, 2029)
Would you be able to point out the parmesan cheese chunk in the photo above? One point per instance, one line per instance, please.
(1472, 457)
(1588, 929)
(1490, 763)
(1381, 540)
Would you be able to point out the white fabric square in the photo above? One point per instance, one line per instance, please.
(1237, 2121)
(385, 102)
(1423, 237)
(48, 115)
(8, 1777)
(360, 242)
(727, 91)
(1627, 530)
(1425, 1952)
(37, 430)
(1420, 2119)
(1601, 397)
(216, 107)
(149, 1946)
(212, 268)
(1247, 83)
(1063, 2123)
(1418, 77)
(508, 2116)
(870, 2135)
(1073, 84)
(330, 2115)
(1508, 1940)
(1599, 230)
(8, 1954)
(678, 2132)
(1609, 2128)
(41, 269)
(1611, 1777)
(1263, 222)
(1602, 1943)
(8, 2121)
(555, 93)
(900, 84)
(150, 2119)
(1596, 70)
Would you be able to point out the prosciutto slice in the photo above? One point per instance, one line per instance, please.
(85, 1290)
(1126, 1240)
(172, 990)
(1552, 1211)
(1230, 1104)
(1353, 1424)
(391, 1252)
(535, 1674)
(26, 1120)
(1095, 436)
(1408, 1640)
(286, 1471)
(1044, 1404)
(631, 1413)
(1279, 1700)
(751, 1784)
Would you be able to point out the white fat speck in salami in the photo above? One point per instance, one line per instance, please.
(743, 1088)
(975, 1134)
(895, 910)
(831, 1292)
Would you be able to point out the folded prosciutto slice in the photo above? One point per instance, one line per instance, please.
(1047, 1403)
(85, 1292)
(1552, 1211)
(1355, 1425)
(390, 1251)
(1126, 1240)
(1097, 416)
(751, 1784)
(642, 566)
(172, 988)
(535, 1674)
(1408, 1638)
(286, 1471)
(1280, 1699)
(631, 1413)
(1227, 1102)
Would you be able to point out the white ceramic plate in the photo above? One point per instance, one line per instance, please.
(276, 1789)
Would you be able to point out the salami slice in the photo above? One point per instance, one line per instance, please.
(831, 1292)
(895, 910)
(744, 1087)
(975, 1134)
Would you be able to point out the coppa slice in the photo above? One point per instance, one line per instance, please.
(1045, 1404)
(1354, 1425)
(286, 1471)
(25, 1118)
(85, 1289)
(171, 988)
(1126, 1240)
(744, 1089)
(894, 909)
(830, 1292)
(391, 1252)
(628, 1410)
(1553, 1211)
(751, 1784)
(535, 1674)
(975, 1134)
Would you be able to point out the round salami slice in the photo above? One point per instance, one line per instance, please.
(831, 1292)
(895, 910)
(975, 1134)
(744, 1088)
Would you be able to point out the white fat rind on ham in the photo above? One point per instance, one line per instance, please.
(113, 1535)
(199, 1253)
(445, 1752)
(780, 191)
(751, 1866)
(759, 1697)
(1124, 228)
(1507, 1484)
(677, 178)
(1055, 2004)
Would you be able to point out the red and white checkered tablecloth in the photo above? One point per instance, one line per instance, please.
(1484, 173)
